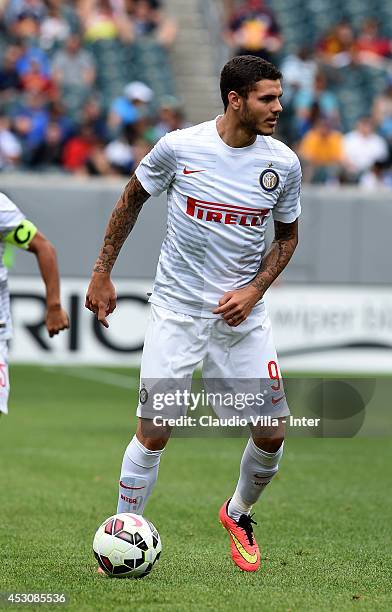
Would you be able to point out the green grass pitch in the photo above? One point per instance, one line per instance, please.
(323, 524)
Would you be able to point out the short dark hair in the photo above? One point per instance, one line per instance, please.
(241, 74)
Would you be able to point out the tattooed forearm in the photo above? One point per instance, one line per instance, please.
(120, 224)
(278, 256)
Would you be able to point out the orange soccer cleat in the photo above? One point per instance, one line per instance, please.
(244, 550)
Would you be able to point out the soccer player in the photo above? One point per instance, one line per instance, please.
(15, 229)
(223, 179)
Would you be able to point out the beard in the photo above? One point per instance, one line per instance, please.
(251, 123)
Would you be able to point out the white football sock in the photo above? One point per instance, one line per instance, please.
(257, 469)
(139, 472)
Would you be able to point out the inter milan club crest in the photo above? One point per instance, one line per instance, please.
(143, 395)
(269, 179)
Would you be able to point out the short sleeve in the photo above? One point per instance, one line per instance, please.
(157, 169)
(10, 215)
(288, 207)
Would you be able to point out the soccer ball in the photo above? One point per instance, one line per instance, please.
(127, 545)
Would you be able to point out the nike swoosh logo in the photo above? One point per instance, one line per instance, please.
(185, 171)
(275, 400)
(244, 554)
(130, 488)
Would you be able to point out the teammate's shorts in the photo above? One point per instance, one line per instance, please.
(4, 379)
(236, 360)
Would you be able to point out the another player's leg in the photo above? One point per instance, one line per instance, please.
(139, 470)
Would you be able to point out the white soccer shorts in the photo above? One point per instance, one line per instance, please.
(4, 379)
(238, 360)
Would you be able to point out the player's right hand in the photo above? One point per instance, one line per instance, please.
(101, 297)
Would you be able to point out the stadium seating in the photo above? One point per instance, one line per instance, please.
(307, 20)
(305, 24)
(119, 63)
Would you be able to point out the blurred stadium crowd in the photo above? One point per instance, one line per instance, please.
(71, 96)
(86, 85)
(336, 60)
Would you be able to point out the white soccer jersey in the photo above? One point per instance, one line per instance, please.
(219, 199)
(10, 218)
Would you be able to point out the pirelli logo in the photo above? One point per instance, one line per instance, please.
(225, 213)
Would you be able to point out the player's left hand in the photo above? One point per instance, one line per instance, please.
(235, 306)
(56, 320)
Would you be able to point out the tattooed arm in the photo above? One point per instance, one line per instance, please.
(278, 255)
(101, 295)
(235, 306)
